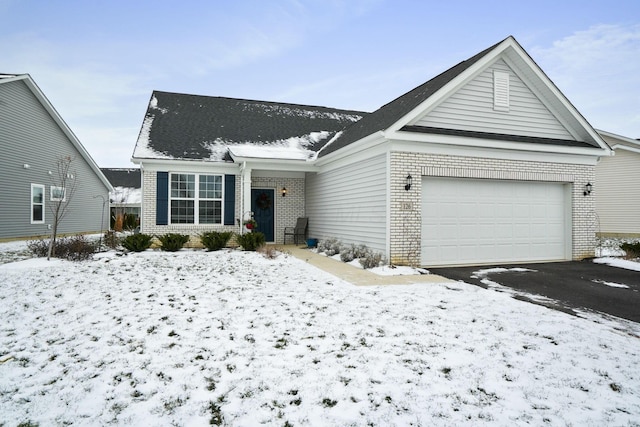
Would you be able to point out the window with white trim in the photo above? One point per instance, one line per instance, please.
(500, 90)
(195, 199)
(58, 194)
(37, 204)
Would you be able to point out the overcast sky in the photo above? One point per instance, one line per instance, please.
(98, 61)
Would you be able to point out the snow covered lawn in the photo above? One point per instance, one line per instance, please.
(231, 338)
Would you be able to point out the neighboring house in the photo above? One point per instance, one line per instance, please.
(485, 163)
(33, 138)
(617, 193)
(126, 196)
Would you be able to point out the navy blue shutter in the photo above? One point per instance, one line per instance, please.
(162, 198)
(229, 199)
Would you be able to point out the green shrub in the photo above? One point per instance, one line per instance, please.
(251, 241)
(631, 249)
(137, 242)
(214, 240)
(172, 242)
(75, 248)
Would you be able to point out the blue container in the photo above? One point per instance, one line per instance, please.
(312, 243)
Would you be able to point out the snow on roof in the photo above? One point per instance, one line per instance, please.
(125, 195)
(194, 127)
(295, 148)
(143, 148)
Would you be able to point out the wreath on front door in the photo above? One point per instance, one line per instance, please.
(263, 201)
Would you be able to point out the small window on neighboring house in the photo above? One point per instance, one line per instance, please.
(58, 194)
(500, 91)
(37, 204)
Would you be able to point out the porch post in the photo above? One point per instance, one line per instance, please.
(246, 193)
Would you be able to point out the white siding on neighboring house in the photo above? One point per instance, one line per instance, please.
(617, 193)
(472, 109)
(350, 203)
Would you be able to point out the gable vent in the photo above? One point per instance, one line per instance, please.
(500, 91)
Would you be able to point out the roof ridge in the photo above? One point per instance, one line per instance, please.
(290, 104)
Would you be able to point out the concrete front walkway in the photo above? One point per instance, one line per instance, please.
(355, 275)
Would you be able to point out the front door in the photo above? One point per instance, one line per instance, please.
(262, 201)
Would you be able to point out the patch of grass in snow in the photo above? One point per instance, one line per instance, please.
(28, 424)
(217, 417)
(484, 397)
(211, 383)
(281, 343)
(329, 403)
(170, 405)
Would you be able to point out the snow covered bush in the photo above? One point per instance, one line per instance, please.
(349, 253)
(137, 242)
(251, 241)
(172, 242)
(214, 240)
(329, 246)
(371, 260)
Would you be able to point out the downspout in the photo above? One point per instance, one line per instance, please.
(243, 165)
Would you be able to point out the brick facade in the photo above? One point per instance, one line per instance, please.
(405, 218)
(287, 209)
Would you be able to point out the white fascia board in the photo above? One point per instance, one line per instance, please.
(583, 156)
(261, 173)
(13, 78)
(185, 165)
(626, 148)
(277, 164)
(632, 142)
(64, 127)
(356, 147)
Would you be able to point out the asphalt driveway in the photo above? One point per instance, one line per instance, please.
(574, 285)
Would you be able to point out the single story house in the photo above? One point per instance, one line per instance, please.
(34, 140)
(486, 162)
(126, 197)
(617, 195)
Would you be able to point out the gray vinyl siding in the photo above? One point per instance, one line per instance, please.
(617, 193)
(29, 135)
(471, 108)
(350, 203)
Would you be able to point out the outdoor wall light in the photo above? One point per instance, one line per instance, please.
(284, 191)
(587, 189)
(407, 186)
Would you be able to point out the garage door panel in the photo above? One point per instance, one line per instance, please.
(468, 221)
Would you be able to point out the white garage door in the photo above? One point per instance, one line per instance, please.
(481, 221)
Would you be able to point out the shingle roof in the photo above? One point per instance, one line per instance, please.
(390, 113)
(185, 126)
(123, 177)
